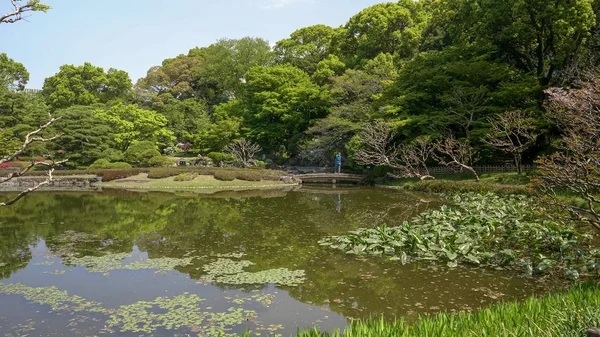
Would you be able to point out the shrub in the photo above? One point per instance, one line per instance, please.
(188, 176)
(225, 175)
(110, 175)
(103, 164)
(160, 161)
(220, 156)
(139, 153)
(160, 173)
(248, 175)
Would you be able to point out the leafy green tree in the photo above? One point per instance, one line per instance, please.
(306, 47)
(227, 62)
(86, 137)
(392, 27)
(85, 85)
(538, 36)
(139, 153)
(13, 75)
(224, 128)
(186, 118)
(281, 103)
(18, 9)
(130, 123)
(327, 69)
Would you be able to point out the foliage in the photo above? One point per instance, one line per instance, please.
(140, 153)
(306, 47)
(188, 176)
(450, 186)
(225, 175)
(103, 164)
(13, 75)
(85, 85)
(228, 271)
(160, 161)
(243, 150)
(221, 157)
(481, 230)
(568, 313)
(132, 124)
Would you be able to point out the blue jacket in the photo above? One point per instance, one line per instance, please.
(338, 159)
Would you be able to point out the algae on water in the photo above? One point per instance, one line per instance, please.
(107, 263)
(227, 271)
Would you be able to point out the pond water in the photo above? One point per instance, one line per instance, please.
(119, 263)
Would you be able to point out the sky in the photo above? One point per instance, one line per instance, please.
(134, 35)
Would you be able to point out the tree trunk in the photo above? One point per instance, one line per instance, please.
(518, 163)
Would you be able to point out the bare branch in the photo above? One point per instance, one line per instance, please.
(452, 152)
(48, 181)
(465, 105)
(243, 150)
(379, 149)
(30, 139)
(19, 9)
(512, 133)
(576, 169)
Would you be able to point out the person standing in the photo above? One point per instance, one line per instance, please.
(338, 163)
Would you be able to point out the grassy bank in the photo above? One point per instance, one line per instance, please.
(499, 183)
(568, 313)
(191, 181)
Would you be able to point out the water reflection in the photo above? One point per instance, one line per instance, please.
(273, 229)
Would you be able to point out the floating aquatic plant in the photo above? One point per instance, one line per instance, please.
(2, 264)
(485, 230)
(175, 313)
(107, 263)
(227, 271)
(58, 300)
(260, 298)
(56, 272)
(44, 263)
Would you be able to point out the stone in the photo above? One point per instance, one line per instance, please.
(593, 332)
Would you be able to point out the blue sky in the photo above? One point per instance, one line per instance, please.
(133, 35)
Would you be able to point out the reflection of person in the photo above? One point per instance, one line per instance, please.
(338, 203)
(338, 163)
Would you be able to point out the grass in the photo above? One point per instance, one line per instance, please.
(565, 314)
(200, 181)
(500, 183)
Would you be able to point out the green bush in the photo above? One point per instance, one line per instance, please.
(248, 175)
(103, 164)
(188, 176)
(160, 173)
(225, 175)
(160, 161)
(139, 153)
(220, 156)
(110, 175)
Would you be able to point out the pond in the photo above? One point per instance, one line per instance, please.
(118, 263)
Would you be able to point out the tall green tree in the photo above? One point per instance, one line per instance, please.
(85, 85)
(392, 27)
(281, 103)
(86, 137)
(306, 47)
(130, 123)
(13, 75)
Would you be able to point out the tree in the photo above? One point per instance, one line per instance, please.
(243, 150)
(306, 47)
(130, 123)
(453, 152)
(538, 36)
(392, 27)
(465, 105)
(86, 137)
(280, 104)
(227, 62)
(9, 79)
(576, 167)
(379, 149)
(85, 85)
(512, 133)
(19, 9)
(139, 153)
(13, 75)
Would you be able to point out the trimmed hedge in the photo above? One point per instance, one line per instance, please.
(225, 175)
(186, 176)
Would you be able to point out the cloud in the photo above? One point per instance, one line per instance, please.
(272, 4)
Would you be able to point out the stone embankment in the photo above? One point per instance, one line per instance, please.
(57, 184)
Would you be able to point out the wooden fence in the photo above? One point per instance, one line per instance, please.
(441, 170)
